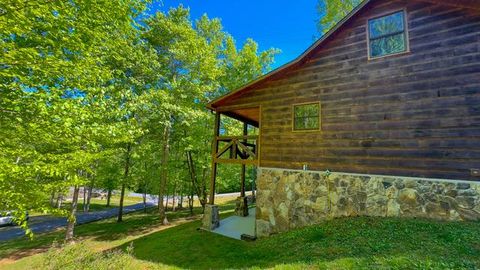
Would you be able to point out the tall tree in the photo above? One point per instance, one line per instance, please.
(57, 92)
(199, 62)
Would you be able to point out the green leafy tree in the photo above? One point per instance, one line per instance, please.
(200, 61)
(86, 91)
(332, 11)
(109, 174)
(59, 97)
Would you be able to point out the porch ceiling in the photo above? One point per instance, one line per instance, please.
(250, 116)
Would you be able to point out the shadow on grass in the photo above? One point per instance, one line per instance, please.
(344, 243)
(138, 223)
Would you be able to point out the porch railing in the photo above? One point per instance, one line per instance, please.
(237, 149)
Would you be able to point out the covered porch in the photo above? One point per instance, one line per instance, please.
(241, 150)
(237, 226)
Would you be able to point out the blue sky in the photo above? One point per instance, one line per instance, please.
(286, 25)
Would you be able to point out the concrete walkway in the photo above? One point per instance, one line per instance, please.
(43, 224)
(235, 226)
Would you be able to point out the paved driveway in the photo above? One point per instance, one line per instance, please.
(43, 224)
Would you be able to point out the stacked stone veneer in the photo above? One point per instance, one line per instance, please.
(288, 199)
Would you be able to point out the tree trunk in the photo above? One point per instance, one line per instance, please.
(180, 202)
(52, 198)
(203, 190)
(89, 196)
(166, 201)
(174, 194)
(125, 178)
(57, 201)
(71, 219)
(58, 204)
(145, 186)
(180, 196)
(120, 207)
(190, 201)
(109, 195)
(199, 189)
(164, 175)
(84, 198)
(145, 201)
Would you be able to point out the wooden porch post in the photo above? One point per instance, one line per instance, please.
(242, 188)
(216, 132)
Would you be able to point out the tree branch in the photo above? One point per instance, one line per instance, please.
(7, 111)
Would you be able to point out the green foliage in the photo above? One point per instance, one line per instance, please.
(109, 172)
(79, 81)
(332, 11)
(199, 61)
(63, 83)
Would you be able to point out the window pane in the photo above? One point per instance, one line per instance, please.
(306, 110)
(299, 124)
(387, 45)
(306, 123)
(311, 123)
(386, 25)
(307, 116)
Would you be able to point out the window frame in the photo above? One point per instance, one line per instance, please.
(405, 32)
(319, 117)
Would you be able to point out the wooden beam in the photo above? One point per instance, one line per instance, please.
(229, 138)
(245, 133)
(246, 150)
(237, 161)
(224, 149)
(249, 145)
(213, 177)
(234, 149)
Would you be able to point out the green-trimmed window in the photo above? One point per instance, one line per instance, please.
(387, 35)
(306, 116)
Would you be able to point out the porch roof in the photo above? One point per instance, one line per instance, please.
(250, 116)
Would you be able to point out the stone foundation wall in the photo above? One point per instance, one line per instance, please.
(288, 199)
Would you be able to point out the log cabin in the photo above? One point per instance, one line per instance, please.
(379, 117)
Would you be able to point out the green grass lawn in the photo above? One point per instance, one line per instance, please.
(341, 243)
(349, 243)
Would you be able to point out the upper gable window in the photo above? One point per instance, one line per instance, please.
(387, 35)
(306, 117)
